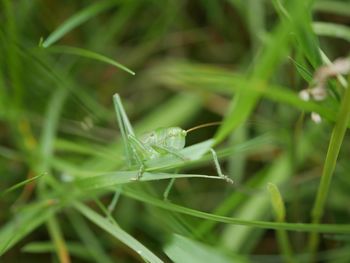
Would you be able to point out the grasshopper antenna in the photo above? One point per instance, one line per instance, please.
(204, 125)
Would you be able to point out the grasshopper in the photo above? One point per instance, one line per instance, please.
(155, 144)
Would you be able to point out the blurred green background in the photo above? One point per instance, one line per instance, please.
(239, 62)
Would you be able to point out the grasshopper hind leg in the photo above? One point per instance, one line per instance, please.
(141, 165)
(114, 202)
(168, 189)
(140, 172)
(218, 167)
(138, 151)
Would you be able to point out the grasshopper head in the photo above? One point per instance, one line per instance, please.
(175, 138)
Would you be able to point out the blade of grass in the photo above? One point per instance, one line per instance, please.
(91, 242)
(24, 223)
(9, 153)
(117, 232)
(256, 22)
(335, 144)
(54, 109)
(23, 137)
(76, 20)
(331, 30)
(302, 70)
(14, 187)
(308, 42)
(46, 149)
(58, 240)
(219, 80)
(229, 204)
(235, 199)
(89, 54)
(74, 248)
(280, 214)
(339, 77)
(243, 103)
(181, 249)
(302, 227)
(39, 57)
(3, 93)
(14, 64)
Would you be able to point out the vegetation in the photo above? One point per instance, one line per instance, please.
(261, 68)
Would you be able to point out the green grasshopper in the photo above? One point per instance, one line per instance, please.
(156, 144)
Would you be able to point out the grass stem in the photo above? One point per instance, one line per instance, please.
(329, 167)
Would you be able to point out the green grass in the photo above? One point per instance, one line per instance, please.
(239, 62)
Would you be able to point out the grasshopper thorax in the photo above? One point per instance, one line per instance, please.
(171, 138)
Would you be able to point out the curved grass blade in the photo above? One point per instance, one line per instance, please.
(221, 81)
(89, 54)
(118, 233)
(332, 30)
(301, 227)
(340, 77)
(14, 187)
(76, 20)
